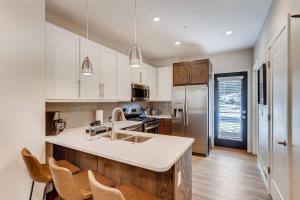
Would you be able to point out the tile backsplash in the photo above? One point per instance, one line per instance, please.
(81, 114)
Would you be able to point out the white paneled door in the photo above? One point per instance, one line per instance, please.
(279, 107)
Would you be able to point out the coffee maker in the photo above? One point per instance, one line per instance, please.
(54, 123)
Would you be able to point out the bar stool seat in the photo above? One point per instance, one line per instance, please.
(74, 187)
(122, 192)
(41, 172)
(131, 192)
(82, 181)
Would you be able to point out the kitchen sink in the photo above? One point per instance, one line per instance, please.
(119, 136)
(137, 139)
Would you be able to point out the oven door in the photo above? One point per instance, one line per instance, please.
(139, 92)
(151, 129)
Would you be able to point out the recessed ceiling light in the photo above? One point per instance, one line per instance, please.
(177, 43)
(228, 32)
(156, 19)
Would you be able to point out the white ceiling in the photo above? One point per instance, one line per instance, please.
(206, 21)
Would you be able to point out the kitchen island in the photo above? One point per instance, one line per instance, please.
(162, 164)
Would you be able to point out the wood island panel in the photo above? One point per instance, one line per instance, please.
(161, 184)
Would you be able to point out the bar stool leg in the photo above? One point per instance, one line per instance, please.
(32, 185)
(44, 194)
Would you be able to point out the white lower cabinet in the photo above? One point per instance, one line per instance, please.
(108, 74)
(62, 61)
(164, 83)
(90, 85)
(123, 78)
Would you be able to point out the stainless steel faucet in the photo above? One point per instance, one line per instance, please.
(114, 119)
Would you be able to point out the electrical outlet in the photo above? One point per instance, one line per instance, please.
(179, 178)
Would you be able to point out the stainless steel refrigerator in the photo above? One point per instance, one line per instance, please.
(190, 117)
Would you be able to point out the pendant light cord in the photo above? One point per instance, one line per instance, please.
(135, 22)
(87, 19)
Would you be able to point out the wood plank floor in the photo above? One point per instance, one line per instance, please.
(227, 174)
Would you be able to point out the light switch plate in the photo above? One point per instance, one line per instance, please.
(179, 178)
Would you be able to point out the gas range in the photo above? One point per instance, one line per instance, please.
(150, 124)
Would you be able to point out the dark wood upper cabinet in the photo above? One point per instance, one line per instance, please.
(181, 73)
(191, 73)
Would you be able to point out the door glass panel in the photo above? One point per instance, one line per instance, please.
(230, 95)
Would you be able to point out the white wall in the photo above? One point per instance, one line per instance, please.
(22, 92)
(232, 61)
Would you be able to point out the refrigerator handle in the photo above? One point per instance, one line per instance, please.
(183, 114)
(186, 112)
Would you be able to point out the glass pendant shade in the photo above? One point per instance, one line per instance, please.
(86, 67)
(135, 57)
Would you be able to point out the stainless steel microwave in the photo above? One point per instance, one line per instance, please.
(139, 92)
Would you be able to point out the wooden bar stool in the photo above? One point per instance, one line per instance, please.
(40, 172)
(122, 192)
(74, 187)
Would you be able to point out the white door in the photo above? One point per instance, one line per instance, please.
(90, 85)
(295, 136)
(62, 63)
(108, 74)
(123, 78)
(152, 82)
(279, 112)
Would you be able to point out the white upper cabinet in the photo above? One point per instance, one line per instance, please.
(123, 78)
(164, 83)
(152, 82)
(140, 75)
(90, 85)
(62, 63)
(108, 74)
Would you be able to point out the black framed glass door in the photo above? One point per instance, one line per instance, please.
(231, 108)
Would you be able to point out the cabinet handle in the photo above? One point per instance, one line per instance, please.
(79, 90)
(141, 78)
(101, 89)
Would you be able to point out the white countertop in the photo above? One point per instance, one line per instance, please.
(158, 154)
(161, 116)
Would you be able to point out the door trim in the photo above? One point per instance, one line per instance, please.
(244, 74)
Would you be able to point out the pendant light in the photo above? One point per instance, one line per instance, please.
(135, 56)
(86, 67)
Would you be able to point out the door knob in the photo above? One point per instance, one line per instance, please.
(284, 143)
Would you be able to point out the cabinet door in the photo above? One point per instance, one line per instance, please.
(164, 84)
(90, 85)
(123, 78)
(152, 82)
(62, 63)
(165, 126)
(181, 74)
(199, 72)
(108, 74)
(144, 74)
(140, 75)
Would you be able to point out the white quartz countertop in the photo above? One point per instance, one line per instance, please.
(158, 154)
